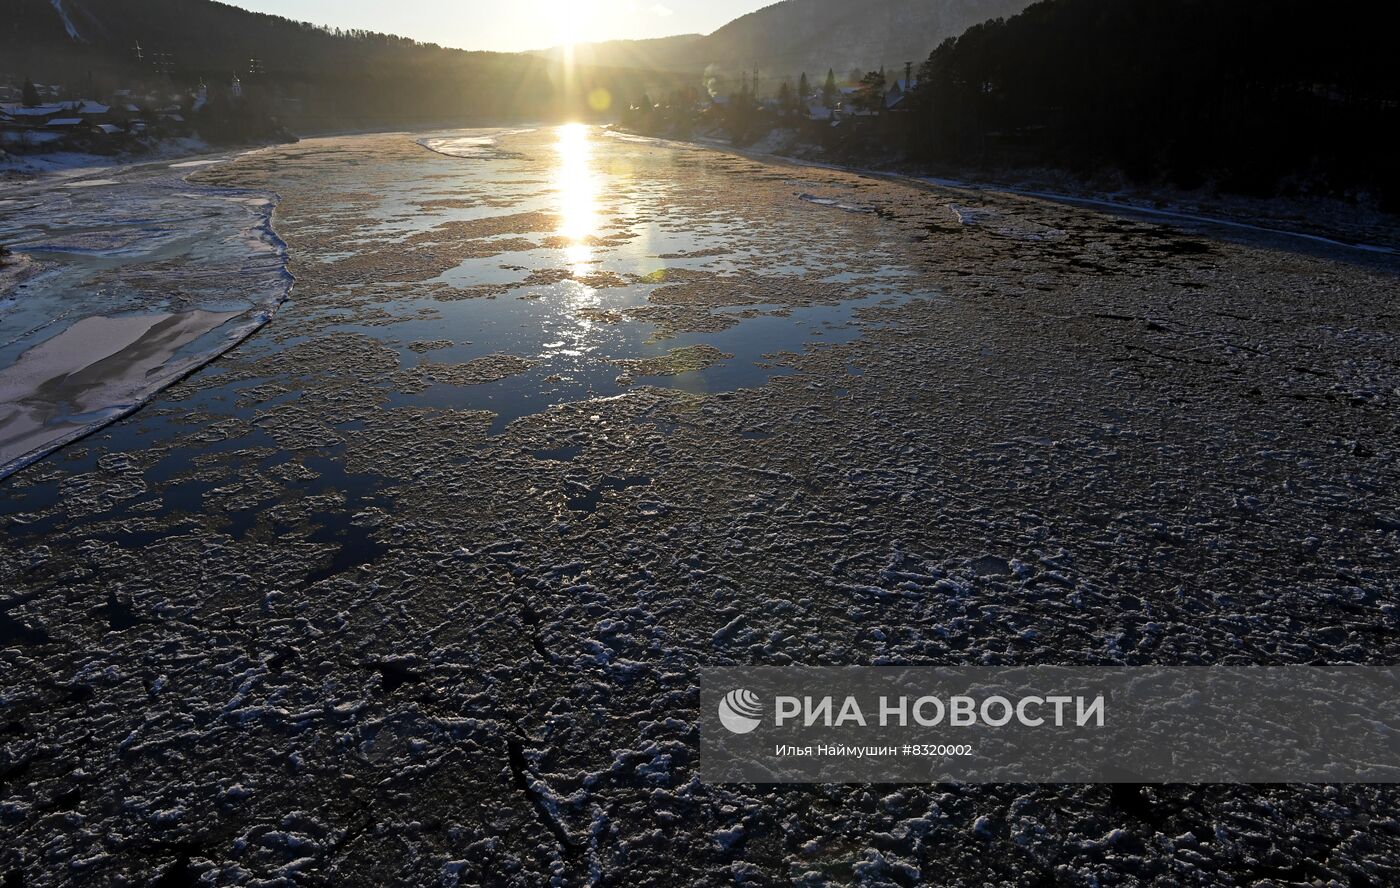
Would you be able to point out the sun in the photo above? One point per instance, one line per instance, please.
(573, 20)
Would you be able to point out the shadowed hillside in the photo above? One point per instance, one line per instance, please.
(344, 78)
(1253, 96)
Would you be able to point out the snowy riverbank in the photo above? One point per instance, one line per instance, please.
(1320, 220)
(26, 167)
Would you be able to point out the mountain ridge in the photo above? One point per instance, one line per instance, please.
(87, 45)
(793, 36)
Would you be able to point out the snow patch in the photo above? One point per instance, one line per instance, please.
(466, 146)
(836, 204)
(67, 22)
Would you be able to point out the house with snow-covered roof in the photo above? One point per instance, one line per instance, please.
(39, 114)
(88, 108)
(897, 96)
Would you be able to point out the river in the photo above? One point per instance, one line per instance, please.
(412, 586)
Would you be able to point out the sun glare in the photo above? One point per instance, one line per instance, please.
(573, 19)
(576, 188)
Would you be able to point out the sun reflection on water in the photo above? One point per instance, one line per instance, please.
(576, 186)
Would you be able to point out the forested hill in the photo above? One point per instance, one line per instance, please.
(1256, 96)
(814, 35)
(347, 77)
(787, 38)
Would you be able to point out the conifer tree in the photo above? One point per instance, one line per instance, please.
(871, 96)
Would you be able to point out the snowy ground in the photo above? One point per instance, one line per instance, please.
(75, 163)
(1358, 223)
(316, 615)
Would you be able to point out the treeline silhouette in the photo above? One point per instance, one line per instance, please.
(1261, 97)
(320, 76)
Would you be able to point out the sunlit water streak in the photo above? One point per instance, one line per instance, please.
(593, 186)
(577, 188)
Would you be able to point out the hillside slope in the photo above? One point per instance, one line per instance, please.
(1254, 96)
(798, 35)
(197, 35)
(793, 36)
(340, 78)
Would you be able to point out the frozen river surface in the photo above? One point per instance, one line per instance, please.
(412, 586)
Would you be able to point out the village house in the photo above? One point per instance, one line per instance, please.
(79, 124)
(897, 96)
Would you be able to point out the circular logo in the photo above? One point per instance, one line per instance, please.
(739, 711)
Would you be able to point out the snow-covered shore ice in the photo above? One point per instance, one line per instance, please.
(133, 278)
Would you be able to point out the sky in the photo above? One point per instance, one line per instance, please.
(514, 25)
